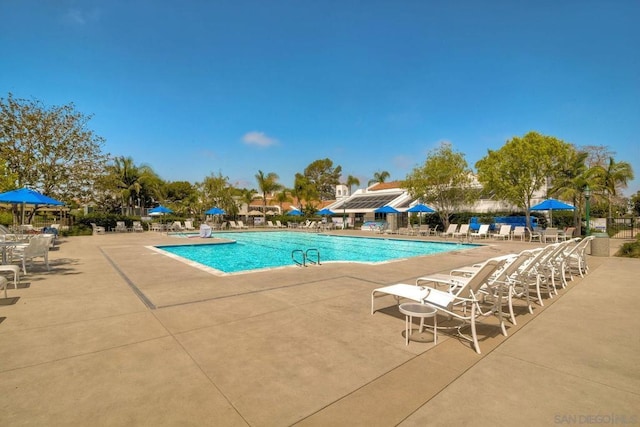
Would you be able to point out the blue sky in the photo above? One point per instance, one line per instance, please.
(200, 87)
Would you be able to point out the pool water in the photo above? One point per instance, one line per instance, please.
(260, 250)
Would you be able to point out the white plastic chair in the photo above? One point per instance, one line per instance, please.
(38, 247)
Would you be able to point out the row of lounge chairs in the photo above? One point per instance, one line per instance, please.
(506, 233)
(471, 292)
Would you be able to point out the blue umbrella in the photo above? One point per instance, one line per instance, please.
(420, 208)
(215, 211)
(325, 211)
(387, 209)
(28, 197)
(160, 210)
(294, 212)
(552, 205)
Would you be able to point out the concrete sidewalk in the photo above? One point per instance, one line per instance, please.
(117, 334)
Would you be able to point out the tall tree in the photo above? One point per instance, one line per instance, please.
(303, 190)
(323, 177)
(282, 197)
(570, 182)
(50, 149)
(268, 184)
(443, 181)
(379, 177)
(135, 185)
(613, 177)
(351, 181)
(215, 190)
(521, 167)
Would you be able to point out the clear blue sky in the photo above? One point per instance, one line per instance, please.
(197, 87)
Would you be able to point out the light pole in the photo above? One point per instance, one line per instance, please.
(587, 196)
(344, 216)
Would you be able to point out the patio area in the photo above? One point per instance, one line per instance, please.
(117, 334)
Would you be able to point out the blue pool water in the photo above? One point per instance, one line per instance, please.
(259, 250)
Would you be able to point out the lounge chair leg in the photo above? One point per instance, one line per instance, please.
(474, 336)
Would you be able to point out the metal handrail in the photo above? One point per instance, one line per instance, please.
(304, 257)
(312, 250)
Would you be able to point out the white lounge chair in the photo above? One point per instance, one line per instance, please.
(534, 235)
(97, 229)
(451, 230)
(137, 226)
(463, 231)
(519, 231)
(466, 305)
(188, 225)
(550, 234)
(566, 234)
(121, 227)
(504, 233)
(483, 231)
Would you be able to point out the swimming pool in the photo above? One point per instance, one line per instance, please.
(252, 251)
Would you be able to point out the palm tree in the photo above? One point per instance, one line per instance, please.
(351, 181)
(126, 176)
(613, 177)
(379, 177)
(247, 197)
(570, 181)
(268, 184)
(282, 197)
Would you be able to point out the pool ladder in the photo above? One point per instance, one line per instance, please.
(305, 256)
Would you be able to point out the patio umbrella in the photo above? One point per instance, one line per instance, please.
(420, 208)
(294, 212)
(160, 210)
(386, 209)
(325, 211)
(552, 205)
(27, 196)
(215, 211)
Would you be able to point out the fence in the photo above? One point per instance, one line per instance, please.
(623, 228)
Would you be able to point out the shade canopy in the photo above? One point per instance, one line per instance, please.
(387, 209)
(420, 208)
(160, 210)
(28, 196)
(294, 212)
(215, 211)
(325, 211)
(552, 205)
(254, 212)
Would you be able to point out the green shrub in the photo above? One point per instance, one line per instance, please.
(630, 250)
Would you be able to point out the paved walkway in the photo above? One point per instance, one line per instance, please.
(117, 334)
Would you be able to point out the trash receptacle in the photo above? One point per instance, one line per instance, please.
(600, 245)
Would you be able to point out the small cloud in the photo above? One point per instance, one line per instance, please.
(258, 138)
(81, 17)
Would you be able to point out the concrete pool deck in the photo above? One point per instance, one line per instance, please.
(117, 334)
